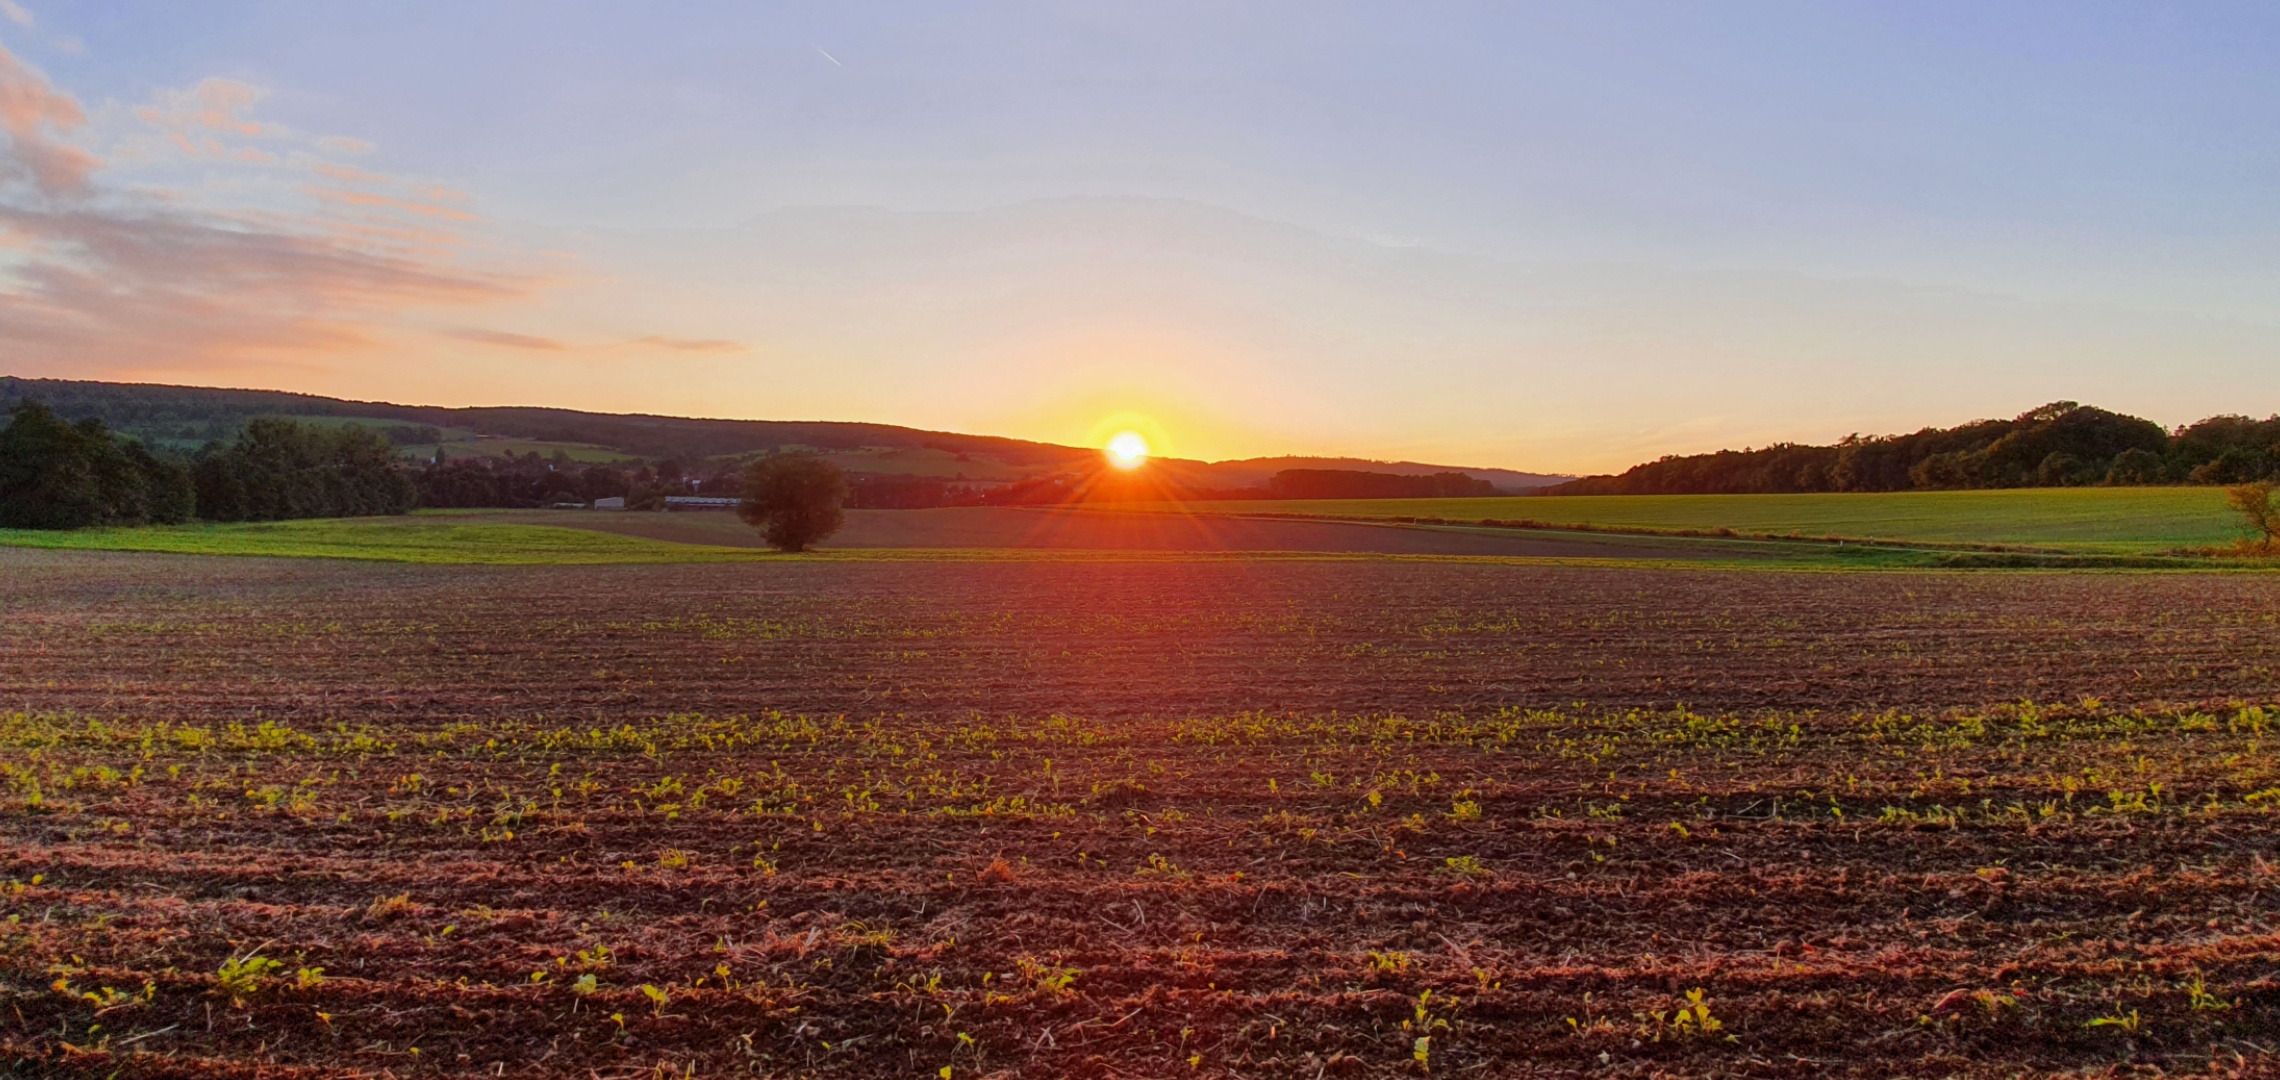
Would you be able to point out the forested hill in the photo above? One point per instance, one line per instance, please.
(188, 416)
(182, 419)
(2060, 444)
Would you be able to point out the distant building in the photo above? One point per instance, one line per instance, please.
(614, 502)
(695, 502)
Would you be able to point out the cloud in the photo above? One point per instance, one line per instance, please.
(194, 120)
(512, 341)
(37, 119)
(116, 279)
(342, 144)
(695, 345)
(16, 13)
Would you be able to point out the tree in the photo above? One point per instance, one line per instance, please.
(279, 469)
(2254, 501)
(60, 475)
(794, 500)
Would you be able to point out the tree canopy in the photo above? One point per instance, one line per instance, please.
(59, 475)
(794, 500)
(2057, 445)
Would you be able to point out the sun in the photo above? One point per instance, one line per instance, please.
(1127, 450)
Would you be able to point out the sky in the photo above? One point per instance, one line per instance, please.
(1546, 236)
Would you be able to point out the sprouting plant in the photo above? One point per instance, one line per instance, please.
(657, 997)
(1692, 1019)
(2127, 1024)
(2203, 1000)
(1465, 810)
(596, 958)
(585, 984)
(1051, 978)
(1465, 865)
(672, 859)
(240, 977)
(1421, 1052)
(1389, 963)
(1159, 866)
(309, 978)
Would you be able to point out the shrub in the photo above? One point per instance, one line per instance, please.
(2254, 501)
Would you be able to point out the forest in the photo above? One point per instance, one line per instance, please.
(2063, 444)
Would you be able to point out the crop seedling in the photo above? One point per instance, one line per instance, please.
(1465, 866)
(2202, 999)
(240, 977)
(1050, 978)
(1691, 1020)
(2127, 1024)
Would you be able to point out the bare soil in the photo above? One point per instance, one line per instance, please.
(1132, 817)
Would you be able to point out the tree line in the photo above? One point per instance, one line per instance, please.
(55, 474)
(2062, 444)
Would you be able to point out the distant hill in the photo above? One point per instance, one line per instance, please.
(1253, 472)
(186, 417)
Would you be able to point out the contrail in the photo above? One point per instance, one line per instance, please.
(828, 56)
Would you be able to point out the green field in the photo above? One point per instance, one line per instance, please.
(583, 453)
(419, 539)
(2103, 520)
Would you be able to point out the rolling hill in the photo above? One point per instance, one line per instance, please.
(186, 417)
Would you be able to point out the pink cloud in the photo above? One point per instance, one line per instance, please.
(512, 341)
(144, 280)
(212, 105)
(695, 345)
(36, 117)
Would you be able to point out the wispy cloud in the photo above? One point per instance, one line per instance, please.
(123, 276)
(511, 341)
(694, 345)
(16, 14)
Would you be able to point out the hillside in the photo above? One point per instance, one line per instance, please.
(187, 417)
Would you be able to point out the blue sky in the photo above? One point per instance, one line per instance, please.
(1553, 236)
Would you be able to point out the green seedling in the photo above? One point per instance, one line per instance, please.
(241, 977)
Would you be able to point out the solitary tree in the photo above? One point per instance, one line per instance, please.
(794, 500)
(2254, 501)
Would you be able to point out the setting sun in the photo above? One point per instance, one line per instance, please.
(1127, 450)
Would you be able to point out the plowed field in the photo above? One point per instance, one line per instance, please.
(1132, 816)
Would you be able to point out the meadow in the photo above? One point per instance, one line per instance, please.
(2111, 520)
(574, 537)
(1101, 815)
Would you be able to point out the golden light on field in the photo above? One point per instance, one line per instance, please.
(1127, 450)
